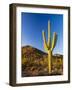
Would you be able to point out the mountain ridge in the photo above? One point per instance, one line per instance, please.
(28, 46)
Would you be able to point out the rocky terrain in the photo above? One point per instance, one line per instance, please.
(35, 63)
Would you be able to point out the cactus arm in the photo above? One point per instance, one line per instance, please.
(48, 46)
(44, 39)
(54, 40)
(49, 37)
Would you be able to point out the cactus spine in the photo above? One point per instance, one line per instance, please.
(48, 46)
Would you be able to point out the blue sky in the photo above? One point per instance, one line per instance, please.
(32, 25)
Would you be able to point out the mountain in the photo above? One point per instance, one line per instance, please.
(34, 62)
(58, 55)
(29, 51)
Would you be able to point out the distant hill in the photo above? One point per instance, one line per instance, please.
(29, 51)
(34, 62)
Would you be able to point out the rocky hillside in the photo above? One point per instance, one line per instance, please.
(34, 62)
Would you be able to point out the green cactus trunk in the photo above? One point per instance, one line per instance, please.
(49, 46)
(49, 61)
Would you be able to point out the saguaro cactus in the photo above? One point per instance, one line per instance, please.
(48, 46)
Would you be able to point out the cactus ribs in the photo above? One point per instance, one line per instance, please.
(48, 47)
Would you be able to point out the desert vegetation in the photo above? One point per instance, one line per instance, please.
(35, 63)
(49, 46)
